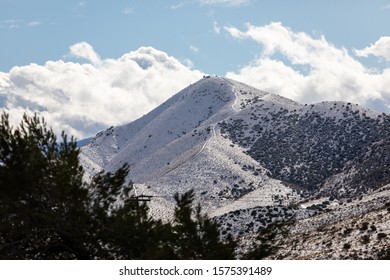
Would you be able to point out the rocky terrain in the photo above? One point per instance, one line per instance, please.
(256, 159)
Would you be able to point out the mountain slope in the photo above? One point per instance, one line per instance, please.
(252, 157)
(179, 146)
(310, 143)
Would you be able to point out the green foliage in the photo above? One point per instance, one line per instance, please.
(197, 238)
(42, 201)
(47, 211)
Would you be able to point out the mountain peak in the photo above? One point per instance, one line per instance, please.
(194, 110)
(241, 148)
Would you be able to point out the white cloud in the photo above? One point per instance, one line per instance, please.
(216, 28)
(83, 98)
(84, 50)
(380, 48)
(228, 3)
(188, 62)
(194, 49)
(178, 5)
(33, 23)
(309, 69)
(13, 23)
(10, 23)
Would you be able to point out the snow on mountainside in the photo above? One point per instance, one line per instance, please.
(179, 146)
(252, 157)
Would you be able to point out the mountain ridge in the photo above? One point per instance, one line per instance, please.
(253, 158)
(271, 132)
(185, 128)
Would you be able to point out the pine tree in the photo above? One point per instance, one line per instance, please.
(127, 229)
(198, 236)
(42, 201)
(47, 211)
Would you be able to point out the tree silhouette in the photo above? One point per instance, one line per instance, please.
(198, 236)
(47, 211)
(43, 211)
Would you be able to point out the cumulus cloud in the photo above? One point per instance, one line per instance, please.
(380, 48)
(85, 51)
(84, 98)
(307, 69)
(188, 62)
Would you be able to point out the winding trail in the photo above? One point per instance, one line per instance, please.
(235, 101)
(214, 134)
(213, 131)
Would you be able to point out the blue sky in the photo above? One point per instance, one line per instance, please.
(41, 30)
(287, 47)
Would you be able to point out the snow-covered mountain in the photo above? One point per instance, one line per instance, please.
(180, 146)
(251, 156)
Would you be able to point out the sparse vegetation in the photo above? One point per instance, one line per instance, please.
(286, 135)
(381, 235)
(365, 239)
(384, 254)
(266, 243)
(347, 231)
(346, 246)
(364, 226)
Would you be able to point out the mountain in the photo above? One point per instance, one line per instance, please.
(81, 143)
(181, 145)
(252, 157)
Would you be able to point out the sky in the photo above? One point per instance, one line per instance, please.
(87, 65)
